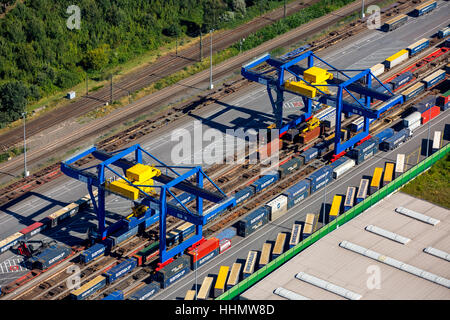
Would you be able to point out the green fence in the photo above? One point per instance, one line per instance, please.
(347, 216)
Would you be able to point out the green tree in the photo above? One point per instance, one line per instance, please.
(96, 59)
(13, 100)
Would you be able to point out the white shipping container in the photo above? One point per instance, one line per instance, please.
(400, 164)
(343, 168)
(224, 245)
(397, 61)
(412, 118)
(414, 126)
(377, 69)
(436, 141)
(71, 95)
(278, 207)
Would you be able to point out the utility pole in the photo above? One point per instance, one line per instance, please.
(111, 89)
(362, 10)
(87, 86)
(429, 127)
(176, 46)
(211, 86)
(26, 173)
(201, 45)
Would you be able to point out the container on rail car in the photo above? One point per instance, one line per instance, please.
(396, 140)
(362, 190)
(349, 198)
(147, 253)
(170, 280)
(122, 235)
(434, 78)
(295, 235)
(320, 175)
(418, 46)
(32, 230)
(358, 124)
(49, 257)
(401, 80)
(309, 155)
(250, 263)
(185, 230)
(172, 268)
(289, 167)
(146, 292)
(343, 168)
(203, 253)
(377, 69)
(424, 8)
(253, 221)
(397, 58)
(234, 277)
(243, 194)
(443, 32)
(93, 252)
(436, 141)
(277, 207)
(88, 288)
(297, 193)
(10, 241)
(280, 244)
(120, 270)
(413, 91)
(264, 182)
(116, 295)
(386, 133)
(219, 287)
(394, 23)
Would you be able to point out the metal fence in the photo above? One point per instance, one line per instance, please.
(342, 219)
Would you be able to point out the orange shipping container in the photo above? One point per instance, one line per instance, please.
(309, 135)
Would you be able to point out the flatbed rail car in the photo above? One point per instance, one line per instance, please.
(205, 289)
(265, 255)
(295, 235)
(362, 190)
(388, 173)
(335, 208)
(234, 277)
(280, 244)
(436, 141)
(395, 23)
(349, 198)
(399, 165)
(222, 276)
(376, 180)
(250, 264)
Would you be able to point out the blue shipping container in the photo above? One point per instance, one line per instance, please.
(50, 256)
(444, 32)
(297, 199)
(91, 290)
(264, 182)
(321, 184)
(425, 104)
(419, 47)
(319, 175)
(385, 134)
(146, 292)
(431, 82)
(122, 235)
(297, 189)
(396, 140)
(120, 270)
(309, 154)
(175, 277)
(253, 221)
(93, 252)
(228, 233)
(401, 80)
(426, 9)
(243, 194)
(116, 295)
(205, 259)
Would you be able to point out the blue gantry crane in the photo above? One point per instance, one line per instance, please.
(312, 83)
(148, 187)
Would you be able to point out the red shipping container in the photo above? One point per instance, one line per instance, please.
(32, 229)
(430, 114)
(205, 248)
(309, 135)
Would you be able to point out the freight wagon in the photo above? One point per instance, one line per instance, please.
(10, 241)
(184, 198)
(295, 235)
(93, 252)
(234, 277)
(146, 292)
(205, 288)
(32, 230)
(376, 180)
(434, 78)
(280, 244)
(349, 198)
(358, 124)
(222, 276)
(89, 288)
(418, 46)
(364, 151)
(335, 208)
(443, 32)
(266, 253)
(362, 190)
(396, 140)
(413, 91)
(401, 80)
(228, 233)
(250, 263)
(424, 8)
(395, 23)
(399, 165)
(253, 221)
(243, 194)
(116, 295)
(49, 257)
(147, 253)
(396, 58)
(289, 167)
(309, 155)
(264, 182)
(120, 270)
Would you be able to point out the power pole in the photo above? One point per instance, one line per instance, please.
(362, 10)
(26, 173)
(201, 45)
(111, 89)
(87, 86)
(211, 86)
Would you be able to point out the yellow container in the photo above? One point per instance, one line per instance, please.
(124, 189)
(315, 75)
(301, 88)
(140, 172)
(396, 55)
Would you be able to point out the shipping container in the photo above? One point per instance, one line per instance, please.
(396, 140)
(291, 135)
(436, 141)
(349, 198)
(386, 133)
(185, 230)
(376, 180)
(120, 270)
(253, 221)
(116, 295)
(309, 136)
(292, 201)
(228, 233)
(343, 168)
(208, 257)
(396, 59)
(50, 256)
(243, 194)
(277, 207)
(147, 253)
(11, 241)
(412, 119)
(443, 98)
(445, 106)
(234, 277)
(399, 165)
(172, 268)
(280, 245)
(89, 288)
(430, 114)
(418, 46)
(295, 235)
(443, 32)
(362, 190)
(190, 295)
(180, 274)
(204, 252)
(335, 208)
(289, 167)
(326, 113)
(309, 155)
(323, 147)
(425, 104)
(385, 88)
(434, 78)
(388, 173)
(413, 91)
(364, 151)
(358, 124)
(424, 8)
(219, 287)
(32, 230)
(320, 175)
(266, 253)
(309, 225)
(395, 22)
(377, 69)
(401, 80)
(93, 252)
(122, 235)
(296, 193)
(264, 182)
(250, 264)
(320, 185)
(146, 292)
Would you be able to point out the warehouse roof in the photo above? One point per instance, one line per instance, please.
(356, 272)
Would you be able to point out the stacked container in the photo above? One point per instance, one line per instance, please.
(386, 133)
(309, 155)
(320, 178)
(253, 221)
(413, 121)
(204, 252)
(365, 150)
(297, 193)
(431, 113)
(277, 207)
(120, 270)
(173, 271)
(396, 140)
